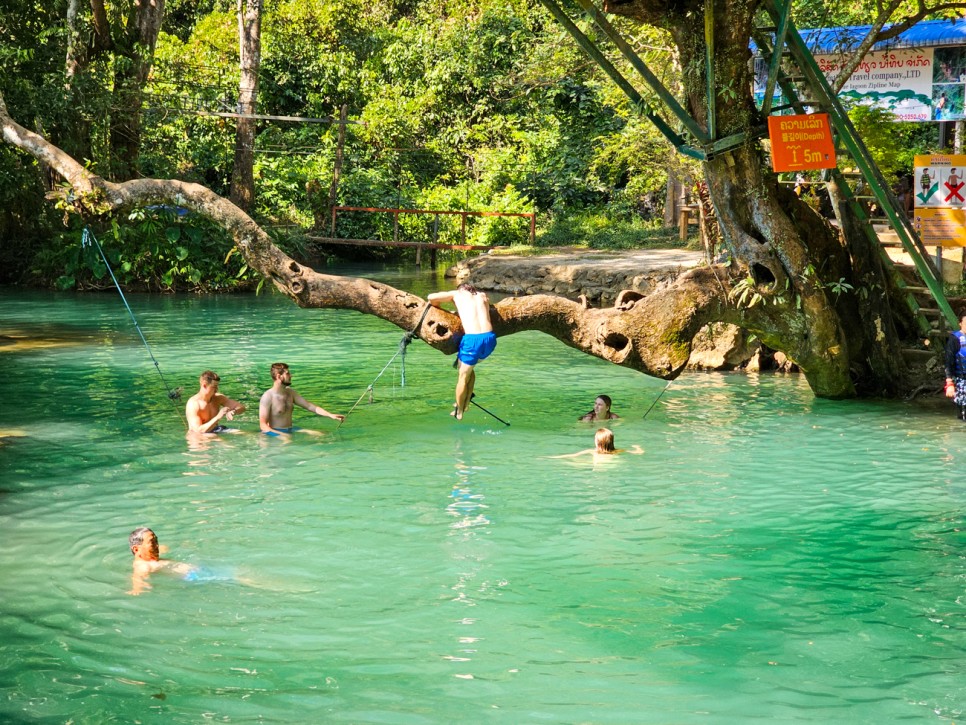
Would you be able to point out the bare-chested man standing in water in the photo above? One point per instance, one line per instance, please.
(206, 407)
(277, 403)
(478, 339)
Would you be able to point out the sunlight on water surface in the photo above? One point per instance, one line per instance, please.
(770, 557)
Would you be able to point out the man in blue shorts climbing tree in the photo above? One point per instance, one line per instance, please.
(478, 339)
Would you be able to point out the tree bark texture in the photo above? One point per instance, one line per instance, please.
(242, 192)
(828, 290)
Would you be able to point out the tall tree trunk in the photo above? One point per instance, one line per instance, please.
(135, 46)
(76, 137)
(828, 296)
(76, 46)
(242, 192)
(337, 167)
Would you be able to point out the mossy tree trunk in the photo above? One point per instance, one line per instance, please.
(827, 292)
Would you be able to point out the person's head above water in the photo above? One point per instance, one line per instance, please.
(601, 410)
(279, 370)
(604, 440)
(144, 544)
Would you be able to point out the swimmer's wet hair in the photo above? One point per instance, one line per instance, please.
(467, 287)
(208, 377)
(606, 399)
(278, 369)
(137, 536)
(604, 440)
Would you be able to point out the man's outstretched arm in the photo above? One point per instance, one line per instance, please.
(436, 297)
(313, 408)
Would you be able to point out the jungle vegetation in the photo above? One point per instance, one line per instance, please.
(455, 104)
(482, 105)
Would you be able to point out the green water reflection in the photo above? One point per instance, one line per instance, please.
(770, 557)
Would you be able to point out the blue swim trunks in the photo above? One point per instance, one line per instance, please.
(476, 347)
(201, 574)
(281, 430)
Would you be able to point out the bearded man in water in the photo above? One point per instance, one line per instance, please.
(277, 403)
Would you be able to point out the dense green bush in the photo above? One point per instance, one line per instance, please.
(469, 105)
(596, 230)
(892, 145)
(159, 249)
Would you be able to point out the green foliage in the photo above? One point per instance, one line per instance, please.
(837, 288)
(24, 224)
(892, 145)
(597, 230)
(471, 105)
(745, 293)
(487, 231)
(155, 249)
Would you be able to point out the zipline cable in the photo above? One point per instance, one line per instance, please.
(402, 349)
(173, 394)
(486, 411)
(408, 338)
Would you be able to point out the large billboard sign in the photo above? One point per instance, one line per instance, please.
(899, 80)
(916, 84)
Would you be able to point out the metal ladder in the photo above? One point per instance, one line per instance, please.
(783, 42)
(779, 41)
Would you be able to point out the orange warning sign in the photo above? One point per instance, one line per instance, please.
(801, 142)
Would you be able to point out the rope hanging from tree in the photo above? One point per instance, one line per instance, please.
(401, 353)
(88, 239)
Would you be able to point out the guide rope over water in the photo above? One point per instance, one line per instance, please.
(407, 338)
(88, 239)
(658, 398)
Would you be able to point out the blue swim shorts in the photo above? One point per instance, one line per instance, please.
(281, 430)
(476, 347)
(201, 574)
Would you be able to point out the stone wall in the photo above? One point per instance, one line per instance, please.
(601, 276)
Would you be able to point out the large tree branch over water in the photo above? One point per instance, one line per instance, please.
(650, 334)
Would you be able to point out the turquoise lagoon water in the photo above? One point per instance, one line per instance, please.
(769, 558)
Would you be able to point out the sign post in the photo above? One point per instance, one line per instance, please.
(940, 191)
(940, 211)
